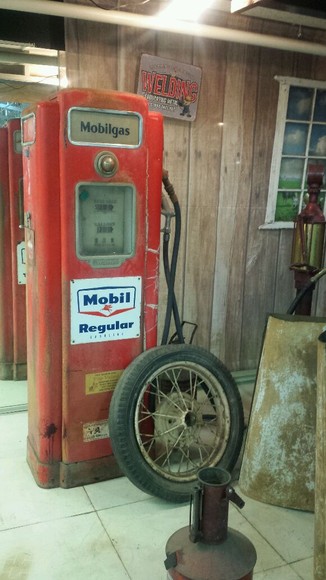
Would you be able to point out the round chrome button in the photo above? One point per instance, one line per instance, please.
(106, 164)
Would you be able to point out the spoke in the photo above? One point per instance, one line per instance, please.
(149, 445)
(175, 386)
(200, 453)
(173, 448)
(187, 457)
(155, 415)
(172, 401)
(161, 434)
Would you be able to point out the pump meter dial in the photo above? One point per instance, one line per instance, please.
(105, 221)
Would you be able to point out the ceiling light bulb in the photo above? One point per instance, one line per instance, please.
(184, 10)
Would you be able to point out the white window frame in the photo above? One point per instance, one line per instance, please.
(285, 84)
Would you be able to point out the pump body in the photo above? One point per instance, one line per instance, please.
(93, 172)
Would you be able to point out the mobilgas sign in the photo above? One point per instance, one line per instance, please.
(104, 127)
(104, 309)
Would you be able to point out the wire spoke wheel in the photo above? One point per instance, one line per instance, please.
(175, 409)
(182, 421)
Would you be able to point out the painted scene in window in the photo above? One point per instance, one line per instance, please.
(304, 135)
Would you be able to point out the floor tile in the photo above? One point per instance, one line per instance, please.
(13, 435)
(282, 573)
(267, 557)
(304, 568)
(140, 534)
(290, 532)
(12, 394)
(22, 502)
(75, 548)
(113, 493)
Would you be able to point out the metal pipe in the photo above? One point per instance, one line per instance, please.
(93, 14)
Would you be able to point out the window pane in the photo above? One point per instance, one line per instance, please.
(320, 106)
(300, 103)
(317, 144)
(295, 138)
(291, 173)
(287, 206)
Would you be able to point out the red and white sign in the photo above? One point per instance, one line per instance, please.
(170, 87)
(116, 299)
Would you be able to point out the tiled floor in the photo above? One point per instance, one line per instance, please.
(113, 531)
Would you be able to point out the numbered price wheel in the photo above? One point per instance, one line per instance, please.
(175, 410)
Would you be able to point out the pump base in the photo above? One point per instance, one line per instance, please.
(46, 475)
(6, 371)
(68, 475)
(234, 558)
(20, 371)
(91, 471)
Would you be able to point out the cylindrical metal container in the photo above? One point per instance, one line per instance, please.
(207, 549)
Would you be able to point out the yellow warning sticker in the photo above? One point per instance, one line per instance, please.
(101, 382)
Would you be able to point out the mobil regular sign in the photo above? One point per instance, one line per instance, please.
(104, 309)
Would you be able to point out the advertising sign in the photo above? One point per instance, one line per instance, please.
(170, 87)
(105, 309)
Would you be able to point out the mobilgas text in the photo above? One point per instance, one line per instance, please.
(103, 129)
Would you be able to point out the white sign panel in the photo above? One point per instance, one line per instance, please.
(104, 309)
(21, 263)
(104, 127)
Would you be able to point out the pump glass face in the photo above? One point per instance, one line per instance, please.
(105, 216)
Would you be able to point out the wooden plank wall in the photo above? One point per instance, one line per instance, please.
(231, 274)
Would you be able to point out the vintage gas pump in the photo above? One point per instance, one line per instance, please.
(17, 249)
(308, 241)
(6, 317)
(93, 172)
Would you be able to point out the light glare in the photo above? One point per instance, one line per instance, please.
(184, 10)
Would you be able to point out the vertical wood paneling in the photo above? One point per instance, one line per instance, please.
(204, 178)
(262, 245)
(235, 188)
(132, 43)
(231, 274)
(92, 54)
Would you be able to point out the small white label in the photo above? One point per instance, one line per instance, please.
(21, 263)
(96, 430)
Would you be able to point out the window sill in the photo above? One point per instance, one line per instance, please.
(277, 226)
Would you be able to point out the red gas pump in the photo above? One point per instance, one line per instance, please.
(92, 172)
(6, 317)
(17, 249)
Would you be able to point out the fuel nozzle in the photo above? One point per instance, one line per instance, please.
(169, 187)
(168, 214)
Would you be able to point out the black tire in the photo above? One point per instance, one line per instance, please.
(175, 409)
